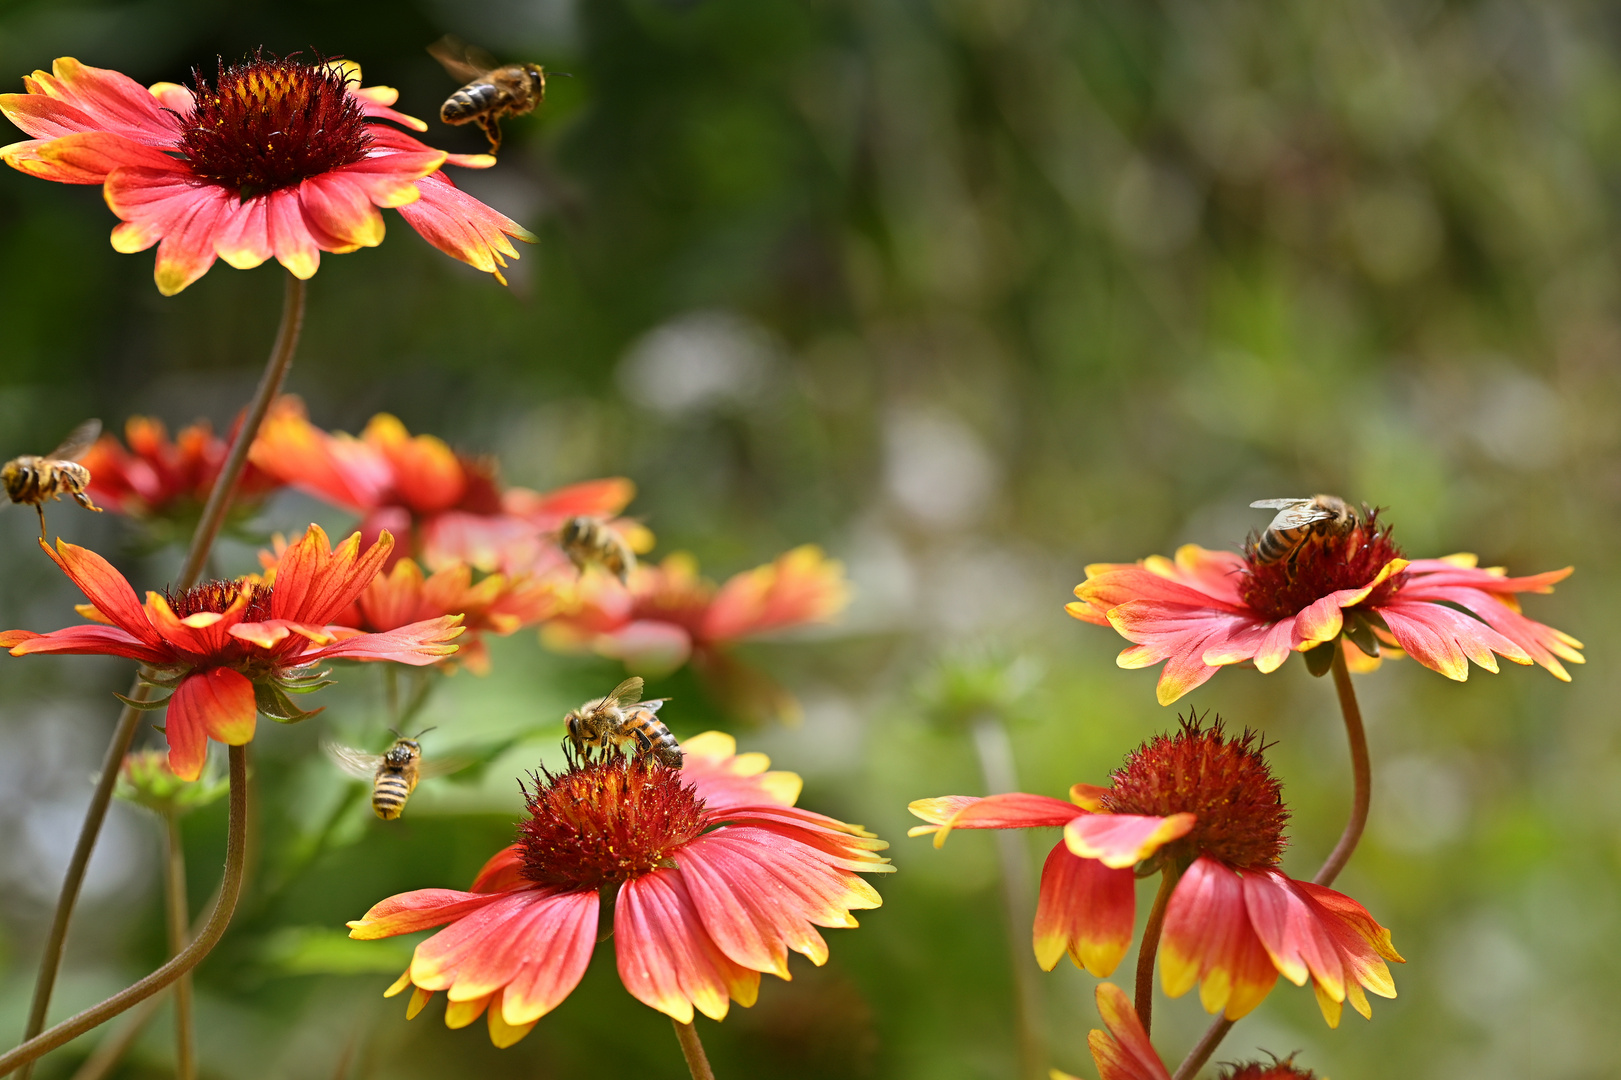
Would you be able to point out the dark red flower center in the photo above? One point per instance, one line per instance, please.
(217, 596)
(604, 822)
(1276, 1069)
(269, 124)
(483, 494)
(1325, 562)
(1224, 781)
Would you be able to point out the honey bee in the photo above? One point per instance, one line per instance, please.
(33, 479)
(492, 90)
(394, 773)
(1297, 521)
(622, 717)
(591, 541)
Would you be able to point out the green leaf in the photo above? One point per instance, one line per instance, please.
(1320, 659)
(275, 704)
(1361, 635)
(143, 706)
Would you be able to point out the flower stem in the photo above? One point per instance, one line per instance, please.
(188, 958)
(1169, 875)
(1018, 905)
(175, 902)
(1361, 772)
(693, 1051)
(1362, 781)
(202, 542)
(116, 1043)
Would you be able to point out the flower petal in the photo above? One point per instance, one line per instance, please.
(1207, 939)
(1014, 810)
(1123, 1052)
(1122, 840)
(217, 703)
(462, 227)
(667, 959)
(106, 588)
(409, 912)
(418, 644)
(1085, 909)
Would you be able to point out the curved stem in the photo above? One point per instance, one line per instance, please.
(1362, 785)
(202, 542)
(188, 958)
(178, 916)
(1361, 772)
(1168, 877)
(693, 1051)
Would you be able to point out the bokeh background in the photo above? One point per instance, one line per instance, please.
(972, 293)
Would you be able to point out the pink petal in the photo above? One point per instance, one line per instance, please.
(1123, 840)
(667, 959)
(1014, 810)
(1085, 909)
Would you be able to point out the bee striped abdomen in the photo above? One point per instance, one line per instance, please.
(469, 102)
(389, 793)
(1278, 544)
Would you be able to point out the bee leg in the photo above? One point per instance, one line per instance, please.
(84, 500)
(40, 507)
(492, 130)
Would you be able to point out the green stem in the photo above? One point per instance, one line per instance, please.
(179, 916)
(1169, 875)
(188, 958)
(693, 1051)
(116, 1043)
(1361, 793)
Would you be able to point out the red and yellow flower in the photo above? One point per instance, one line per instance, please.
(1123, 1052)
(160, 477)
(668, 614)
(709, 874)
(1206, 807)
(452, 507)
(277, 158)
(1207, 609)
(230, 650)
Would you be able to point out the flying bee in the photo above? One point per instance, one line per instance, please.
(591, 541)
(394, 773)
(1297, 521)
(622, 717)
(492, 91)
(33, 479)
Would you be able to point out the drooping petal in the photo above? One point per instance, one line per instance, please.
(216, 703)
(1121, 840)
(419, 910)
(1014, 810)
(462, 227)
(667, 959)
(1123, 1052)
(1085, 909)
(82, 640)
(418, 644)
(1207, 940)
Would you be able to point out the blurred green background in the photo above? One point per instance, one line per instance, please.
(973, 293)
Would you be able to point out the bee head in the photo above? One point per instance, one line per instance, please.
(574, 530)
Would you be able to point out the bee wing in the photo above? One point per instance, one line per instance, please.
(463, 61)
(655, 705)
(78, 441)
(1278, 504)
(628, 692)
(356, 763)
(442, 766)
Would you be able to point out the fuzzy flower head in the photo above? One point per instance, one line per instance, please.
(169, 479)
(229, 650)
(1352, 589)
(1202, 805)
(709, 875)
(276, 157)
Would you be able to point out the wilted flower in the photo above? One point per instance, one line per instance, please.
(1206, 806)
(157, 477)
(450, 506)
(230, 650)
(708, 874)
(1207, 609)
(278, 158)
(668, 614)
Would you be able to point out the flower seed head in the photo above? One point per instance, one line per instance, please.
(269, 124)
(217, 596)
(1321, 565)
(605, 822)
(1224, 781)
(1276, 1069)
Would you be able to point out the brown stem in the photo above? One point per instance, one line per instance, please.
(179, 916)
(202, 543)
(188, 958)
(116, 1043)
(1169, 875)
(693, 1051)
(1018, 904)
(1361, 773)
(1362, 785)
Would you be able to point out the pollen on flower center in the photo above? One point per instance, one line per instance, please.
(606, 822)
(269, 124)
(1225, 782)
(1321, 565)
(217, 596)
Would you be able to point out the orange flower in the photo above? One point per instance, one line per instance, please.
(160, 478)
(1207, 806)
(278, 158)
(710, 874)
(1123, 1052)
(1208, 609)
(451, 506)
(668, 614)
(230, 650)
